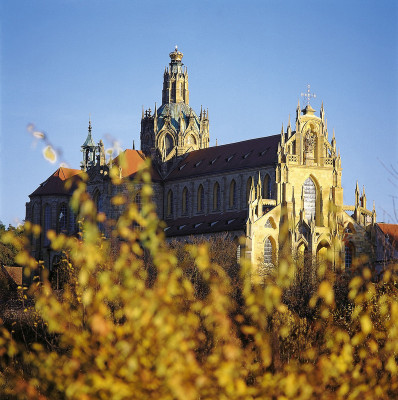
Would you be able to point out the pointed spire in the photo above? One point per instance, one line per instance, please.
(298, 111)
(216, 141)
(133, 145)
(322, 112)
(356, 195)
(201, 112)
(282, 136)
(259, 186)
(207, 113)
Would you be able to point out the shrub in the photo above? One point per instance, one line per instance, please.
(153, 321)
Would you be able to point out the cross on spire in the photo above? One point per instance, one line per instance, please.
(307, 96)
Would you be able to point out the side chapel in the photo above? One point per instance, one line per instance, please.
(250, 188)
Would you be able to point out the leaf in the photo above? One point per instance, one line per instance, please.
(49, 154)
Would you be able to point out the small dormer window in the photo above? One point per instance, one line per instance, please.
(229, 158)
(198, 163)
(182, 166)
(213, 161)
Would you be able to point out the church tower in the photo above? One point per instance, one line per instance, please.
(174, 129)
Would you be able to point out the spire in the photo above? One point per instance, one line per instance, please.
(356, 195)
(89, 142)
(363, 203)
(216, 142)
(298, 110)
(282, 136)
(259, 186)
(133, 145)
(289, 129)
(322, 112)
(142, 116)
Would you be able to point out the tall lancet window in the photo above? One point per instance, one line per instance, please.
(185, 200)
(309, 199)
(216, 197)
(168, 144)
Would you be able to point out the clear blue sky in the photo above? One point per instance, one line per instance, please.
(248, 62)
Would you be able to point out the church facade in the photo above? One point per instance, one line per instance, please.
(275, 191)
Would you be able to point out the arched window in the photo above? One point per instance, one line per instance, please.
(47, 223)
(137, 200)
(99, 204)
(201, 198)
(216, 197)
(36, 214)
(169, 203)
(191, 140)
(185, 201)
(248, 187)
(63, 218)
(72, 221)
(168, 144)
(309, 199)
(268, 254)
(349, 254)
(267, 192)
(232, 194)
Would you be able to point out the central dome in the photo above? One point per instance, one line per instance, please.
(174, 111)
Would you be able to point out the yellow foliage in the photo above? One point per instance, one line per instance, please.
(139, 319)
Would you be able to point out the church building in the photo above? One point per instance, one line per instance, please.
(278, 191)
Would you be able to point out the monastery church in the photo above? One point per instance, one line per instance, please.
(250, 188)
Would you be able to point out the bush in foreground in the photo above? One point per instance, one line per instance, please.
(157, 322)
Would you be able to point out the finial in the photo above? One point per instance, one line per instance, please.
(142, 112)
(207, 113)
(216, 141)
(308, 94)
(282, 129)
(89, 123)
(363, 190)
(357, 187)
(288, 124)
(133, 145)
(374, 206)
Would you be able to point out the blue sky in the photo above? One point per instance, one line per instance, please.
(248, 62)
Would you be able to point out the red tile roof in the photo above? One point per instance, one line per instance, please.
(133, 161)
(392, 231)
(55, 184)
(252, 153)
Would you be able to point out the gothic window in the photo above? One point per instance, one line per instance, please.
(248, 187)
(137, 200)
(349, 254)
(63, 218)
(267, 187)
(185, 201)
(99, 204)
(216, 197)
(268, 224)
(191, 140)
(201, 198)
(268, 253)
(309, 199)
(72, 221)
(168, 144)
(47, 223)
(232, 194)
(170, 203)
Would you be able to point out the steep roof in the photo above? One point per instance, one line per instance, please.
(252, 153)
(133, 161)
(392, 231)
(203, 224)
(55, 184)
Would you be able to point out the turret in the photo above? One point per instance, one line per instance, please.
(88, 149)
(175, 81)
